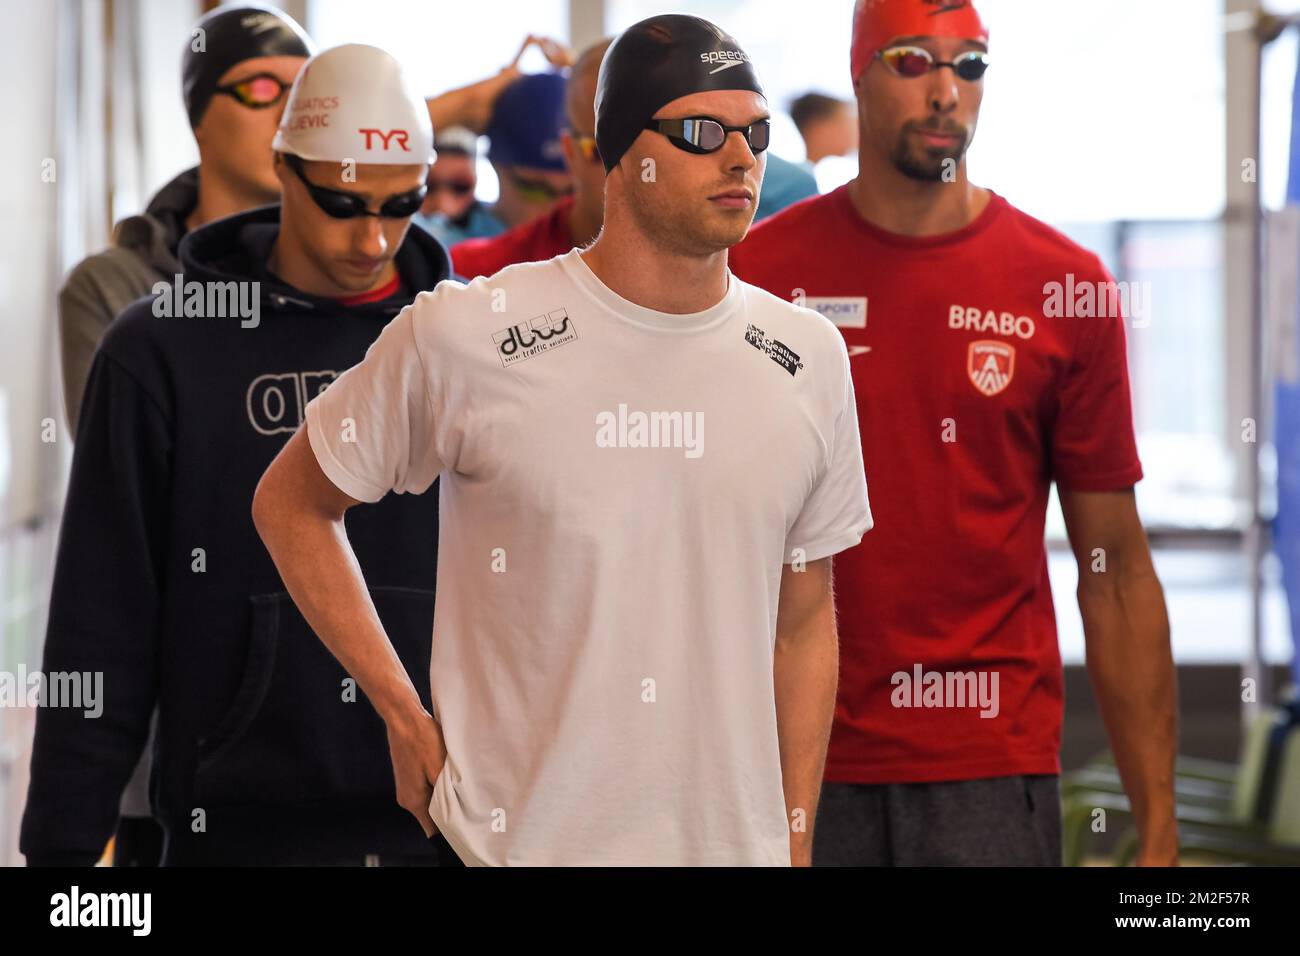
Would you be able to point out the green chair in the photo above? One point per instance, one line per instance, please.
(1206, 792)
(1273, 843)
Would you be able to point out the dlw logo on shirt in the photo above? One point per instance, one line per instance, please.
(534, 336)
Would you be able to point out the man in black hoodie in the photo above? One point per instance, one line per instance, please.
(236, 70)
(266, 751)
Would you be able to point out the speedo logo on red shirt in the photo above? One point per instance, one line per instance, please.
(986, 321)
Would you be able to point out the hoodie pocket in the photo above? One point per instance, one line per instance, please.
(295, 733)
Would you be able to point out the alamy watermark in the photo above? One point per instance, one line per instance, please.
(1085, 299)
(948, 689)
(211, 300)
(633, 429)
(79, 690)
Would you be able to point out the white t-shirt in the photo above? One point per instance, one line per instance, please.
(620, 489)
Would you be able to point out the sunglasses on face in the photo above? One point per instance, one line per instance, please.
(341, 205)
(914, 61)
(538, 190)
(701, 134)
(457, 187)
(258, 92)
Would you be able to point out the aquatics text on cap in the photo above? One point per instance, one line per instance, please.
(353, 102)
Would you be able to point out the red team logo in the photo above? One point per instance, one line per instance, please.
(990, 365)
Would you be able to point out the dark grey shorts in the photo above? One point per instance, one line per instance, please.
(993, 821)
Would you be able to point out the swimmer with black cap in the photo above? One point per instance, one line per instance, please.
(562, 407)
(682, 126)
(236, 71)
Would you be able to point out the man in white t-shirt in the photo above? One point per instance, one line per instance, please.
(646, 465)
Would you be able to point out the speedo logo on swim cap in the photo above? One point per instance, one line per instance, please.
(728, 59)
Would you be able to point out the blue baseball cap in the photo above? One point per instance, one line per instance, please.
(526, 123)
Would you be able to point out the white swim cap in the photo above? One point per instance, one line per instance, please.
(353, 102)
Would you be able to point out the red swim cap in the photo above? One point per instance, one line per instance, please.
(876, 22)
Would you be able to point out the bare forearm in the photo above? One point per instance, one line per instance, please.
(455, 108)
(320, 571)
(805, 671)
(1131, 667)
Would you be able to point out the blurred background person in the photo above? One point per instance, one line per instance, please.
(452, 178)
(575, 219)
(827, 125)
(523, 116)
(234, 84)
(525, 151)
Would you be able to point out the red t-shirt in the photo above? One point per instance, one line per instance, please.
(970, 402)
(535, 241)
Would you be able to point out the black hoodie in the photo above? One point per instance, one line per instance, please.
(263, 754)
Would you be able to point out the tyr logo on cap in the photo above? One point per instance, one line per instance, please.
(399, 135)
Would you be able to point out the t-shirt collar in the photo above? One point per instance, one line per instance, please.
(969, 231)
(577, 269)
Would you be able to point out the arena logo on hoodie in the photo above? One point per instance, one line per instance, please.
(277, 402)
(209, 300)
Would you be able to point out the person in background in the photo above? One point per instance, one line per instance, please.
(266, 753)
(234, 90)
(975, 394)
(452, 179)
(784, 184)
(525, 151)
(575, 220)
(829, 126)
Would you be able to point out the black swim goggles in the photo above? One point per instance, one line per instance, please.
(340, 205)
(702, 134)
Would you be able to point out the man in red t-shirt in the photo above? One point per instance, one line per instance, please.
(575, 220)
(985, 367)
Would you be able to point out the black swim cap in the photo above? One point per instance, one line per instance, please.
(232, 35)
(654, 62)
